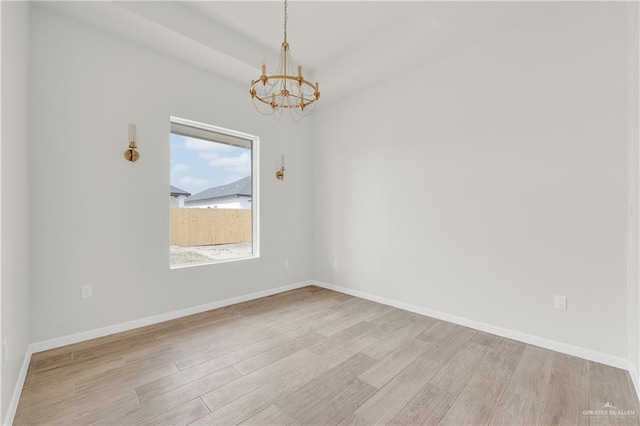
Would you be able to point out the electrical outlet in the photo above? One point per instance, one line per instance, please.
(335, 263)
(5, 352)
(560, 302)
(286, 263)
(87, 291)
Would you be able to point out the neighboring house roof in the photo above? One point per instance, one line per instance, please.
(175, 191)
(239, 187)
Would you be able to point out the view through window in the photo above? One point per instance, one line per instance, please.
(213, 194)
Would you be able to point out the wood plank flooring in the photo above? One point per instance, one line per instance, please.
(316, 357)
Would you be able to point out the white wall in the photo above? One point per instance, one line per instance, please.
(15, 193)
(633, 232)
(85, 87)
(513, 153)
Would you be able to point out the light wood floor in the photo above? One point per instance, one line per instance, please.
(313, 356)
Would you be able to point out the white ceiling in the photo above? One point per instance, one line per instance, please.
(347, 46)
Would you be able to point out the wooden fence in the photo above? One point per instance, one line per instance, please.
(202, 226)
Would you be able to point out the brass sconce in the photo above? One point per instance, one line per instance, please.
(132, 154)
(280, 172)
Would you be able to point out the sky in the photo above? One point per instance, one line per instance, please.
(197, 164)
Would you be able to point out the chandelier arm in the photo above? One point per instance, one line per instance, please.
(285, 77)
(288, 77)
(284, 106)
(268, 99)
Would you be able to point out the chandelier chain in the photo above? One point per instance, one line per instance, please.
(285, 21)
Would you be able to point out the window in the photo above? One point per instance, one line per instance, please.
(214, 194)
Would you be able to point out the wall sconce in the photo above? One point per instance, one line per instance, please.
(280, 172)
(132, 154)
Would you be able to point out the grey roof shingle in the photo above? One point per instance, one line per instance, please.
(175, 191)
(239, 187)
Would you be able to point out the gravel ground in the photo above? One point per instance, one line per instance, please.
(205, 254)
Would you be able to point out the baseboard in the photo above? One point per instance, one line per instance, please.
(542, 342)
(17, 390)
(130, 325)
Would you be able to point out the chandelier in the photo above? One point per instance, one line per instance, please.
(272, 94)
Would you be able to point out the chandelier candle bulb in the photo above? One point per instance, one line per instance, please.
(132, 132)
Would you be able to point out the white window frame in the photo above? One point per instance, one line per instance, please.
(255, 185)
